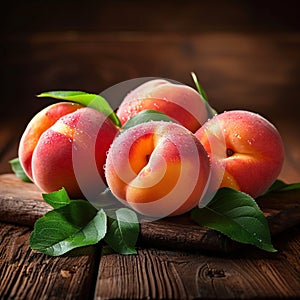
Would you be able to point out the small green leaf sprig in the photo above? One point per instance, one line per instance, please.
(77, 223)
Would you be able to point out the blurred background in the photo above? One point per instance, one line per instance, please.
(245, 53)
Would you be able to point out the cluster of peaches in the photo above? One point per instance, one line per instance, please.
(158, 168)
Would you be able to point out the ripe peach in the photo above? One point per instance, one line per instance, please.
(246, 151)
(180, 102)
(38, 124)
(64, 142)
(157, 168)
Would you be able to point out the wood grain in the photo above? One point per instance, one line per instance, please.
(152, 274)
(160, 274)
(22, 203)
(27, 274)
(282, 210)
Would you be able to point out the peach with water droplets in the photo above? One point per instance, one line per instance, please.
(246, 151)
(157, 168)
(180, 102)
(65, 141)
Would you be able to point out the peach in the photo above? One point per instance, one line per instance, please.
(38, 124)
(180, 102)
(157, 168)
(63, 145)
(245, 149)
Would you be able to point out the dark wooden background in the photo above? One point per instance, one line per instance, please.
(250, 48)
(246, 55)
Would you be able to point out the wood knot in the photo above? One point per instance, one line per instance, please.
(215, 273)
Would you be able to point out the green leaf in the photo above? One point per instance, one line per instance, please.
(198, 86)
(146, 116)
(280, 186)
(290, 187)
(57, 199)
(18, 170)
(123, 231)
(92, 100)
(210, 110)
(277, 185)
(236, 215)
(74, 225)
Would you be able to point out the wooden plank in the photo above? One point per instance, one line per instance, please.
(150, 274)
(22, 204)
(27, 274)
(281, 209)
(163, 274)
(289, 245)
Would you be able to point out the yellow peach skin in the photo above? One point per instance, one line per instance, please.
(246, 150)
(157, 168)
(60, 136)
(180, 102)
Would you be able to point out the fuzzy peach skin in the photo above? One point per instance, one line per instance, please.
(38, 124)
(180, 102)
(246, 150)
(59, 136)
(157, 168)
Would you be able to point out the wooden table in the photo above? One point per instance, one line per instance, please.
(254, 70)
